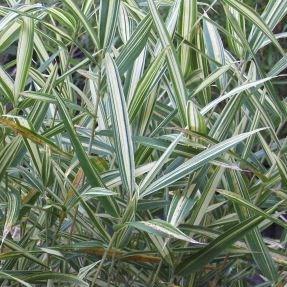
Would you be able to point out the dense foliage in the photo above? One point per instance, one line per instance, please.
(143, 143)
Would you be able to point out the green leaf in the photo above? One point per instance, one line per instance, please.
(211, 78)
(77, 12)
(195, 121)
(11, 277)
(6, 84)
(150, 78)
(180, 94)
(134, 46)
(8, 154)
(159, 164)
(255, 19)
(233, 92)
(187, 21)
(260, 252)
(214, 47)
(241, 201)
(163, 228)
(195, 162)
(108, 21)
(38, 277)
(121, 126)
(214, 248)
(91, 173)
(13, 208)
(24, 56)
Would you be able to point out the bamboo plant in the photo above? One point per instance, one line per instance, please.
(143, 143)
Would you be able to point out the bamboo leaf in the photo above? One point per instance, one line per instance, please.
(238, 199)
(121, 127)
(195, 162)
(91, 173)
(233, 92)
(108, 21)
(216, 246)
(24, 56)
(251, 15)
(173, 65)
(76, 11)
(160, 227)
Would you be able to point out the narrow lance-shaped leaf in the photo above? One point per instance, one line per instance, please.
(8, 153)
(9, 35)
(6, 84)
(40, 276)
(84, 20)
(88, 195)
(272, 15)
(30, 134)
(233, 92)
(148, 81)
(187, 21)
(22, 251)
(161, 227)
(13, 208)
(251, 15)
(196, 162)
(207, 194)
(121, 126)
(24, 55)
(10, 17)
(195, 121)
(124, 24)
(180, 206)
(214, 48)
(254, 239)
(135, 45)
(159, 164)
(214, 248)
(211, 78)
(282, 168)
(91, 173)
(174, 69)
(135, 73)
(162, 248)
(11, 277)
(108, 21)
(64, 17)
(238, 199)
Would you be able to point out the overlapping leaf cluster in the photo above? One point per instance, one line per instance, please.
(142, 144)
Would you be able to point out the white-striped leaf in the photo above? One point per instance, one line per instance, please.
(179, 95)
(121, 126)
(24, 55)
(195, 162)
(161, 227)
(233, 92)
(108, 22)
